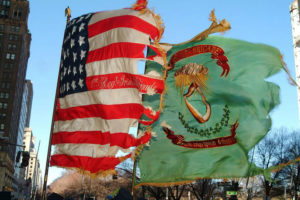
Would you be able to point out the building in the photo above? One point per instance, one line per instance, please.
(33, 174)
(19, 174)
(294, 10)
(14, 53)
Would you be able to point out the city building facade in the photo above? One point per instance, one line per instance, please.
(295, 20)
(33, 173)
(19, 175)
(14, 53)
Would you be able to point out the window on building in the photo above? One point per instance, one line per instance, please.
(12, 47)
(7, 76)
(17, 14)
(1, 35)
(5, 105)
(5, 85)
(8, 65)
(5, 2)
(2, 116)
(4, 13)
(2, 126)
(1, 105)
(15, 28)
(10, 56)
(13, 37)
(2, 27)
(4, 95)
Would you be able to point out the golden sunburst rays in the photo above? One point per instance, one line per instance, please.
(189, 74)
(193, 76)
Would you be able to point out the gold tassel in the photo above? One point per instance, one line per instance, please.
(223, 26)
(291, 80)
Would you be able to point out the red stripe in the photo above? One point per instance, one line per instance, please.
(124, 80)
(124, 21)
(90, 164)
(116, 111)
(122, 140)
(117, 50)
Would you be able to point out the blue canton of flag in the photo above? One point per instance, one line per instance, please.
(74, 55)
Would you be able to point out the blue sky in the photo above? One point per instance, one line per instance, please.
(257, 21)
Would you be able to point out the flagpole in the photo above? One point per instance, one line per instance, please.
(250, 167)
(68, 14)
(133, 178)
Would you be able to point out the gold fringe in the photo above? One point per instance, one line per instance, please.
(291, 80)
(167, 184)
(161, 28)
(280, 166)
(102, 173)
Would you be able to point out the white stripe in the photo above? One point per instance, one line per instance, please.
(95, 124)
(91, 150)
(110, 66)
(115, 13)
(118, 35)
(107, 97)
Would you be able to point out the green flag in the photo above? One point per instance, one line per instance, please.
(216, 108)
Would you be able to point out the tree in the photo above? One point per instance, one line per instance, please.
(203, 189)
(292, 171)
(271, 152)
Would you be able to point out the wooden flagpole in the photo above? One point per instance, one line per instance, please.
(250, 167)
(133, 178)
(68, 14)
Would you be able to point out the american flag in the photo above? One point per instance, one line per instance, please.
(99, 88)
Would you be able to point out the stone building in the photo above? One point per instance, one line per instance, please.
(14, 53)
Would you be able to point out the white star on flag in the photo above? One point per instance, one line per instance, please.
(81, 40)
(74, 71)
(80, 19)
(80, 69)
(68, 86)
(81, 27)
(67, 38)
(68, 53)
(72, 43)
(73, 85)
(73, 21)
(65, 71)
(82, 54)
(88, 16)
(73, 30)
(69, 70)
(65, 55)
(74, 56)
(80, 83)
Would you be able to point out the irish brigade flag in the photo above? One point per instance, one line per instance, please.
(216, 108)
(99, 88)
